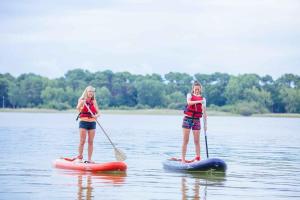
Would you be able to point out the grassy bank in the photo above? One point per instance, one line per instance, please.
(149, 112)
(104, 111)
(34, 110)
(285, 115)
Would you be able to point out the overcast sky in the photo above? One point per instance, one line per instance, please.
(150, 36)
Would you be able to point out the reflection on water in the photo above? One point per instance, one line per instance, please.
(87, 181)
(195, 188)
(194, 185)
(87, 187)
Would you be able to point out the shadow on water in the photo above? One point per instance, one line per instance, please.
(87, 181)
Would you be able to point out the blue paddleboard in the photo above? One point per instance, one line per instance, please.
(214, 164)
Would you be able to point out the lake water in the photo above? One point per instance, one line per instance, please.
(262, 154)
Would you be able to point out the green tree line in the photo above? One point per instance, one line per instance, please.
(245, 94)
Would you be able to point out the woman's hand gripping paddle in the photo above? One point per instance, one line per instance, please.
(119, 155)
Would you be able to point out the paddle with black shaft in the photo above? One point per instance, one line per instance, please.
(204, 121)
(206, 144)
(205, 125)
(120, 155)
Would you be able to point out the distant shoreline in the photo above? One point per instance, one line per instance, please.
(148, 112)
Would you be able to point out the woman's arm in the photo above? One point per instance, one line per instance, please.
(80, 104)
(190, 102)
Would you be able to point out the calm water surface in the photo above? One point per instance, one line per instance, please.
(262, 155)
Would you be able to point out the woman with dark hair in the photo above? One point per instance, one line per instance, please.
(195, 109)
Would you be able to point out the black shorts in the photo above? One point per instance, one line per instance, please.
(87, 125)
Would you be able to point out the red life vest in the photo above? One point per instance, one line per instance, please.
(85, 111)
(194, 111)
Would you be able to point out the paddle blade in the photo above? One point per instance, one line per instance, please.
(120, 155)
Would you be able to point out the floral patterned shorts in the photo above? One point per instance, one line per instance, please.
(191, 123)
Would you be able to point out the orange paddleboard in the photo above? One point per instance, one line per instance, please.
(67, 163)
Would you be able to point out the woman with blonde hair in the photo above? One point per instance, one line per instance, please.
(195, 109)
(87, 125)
